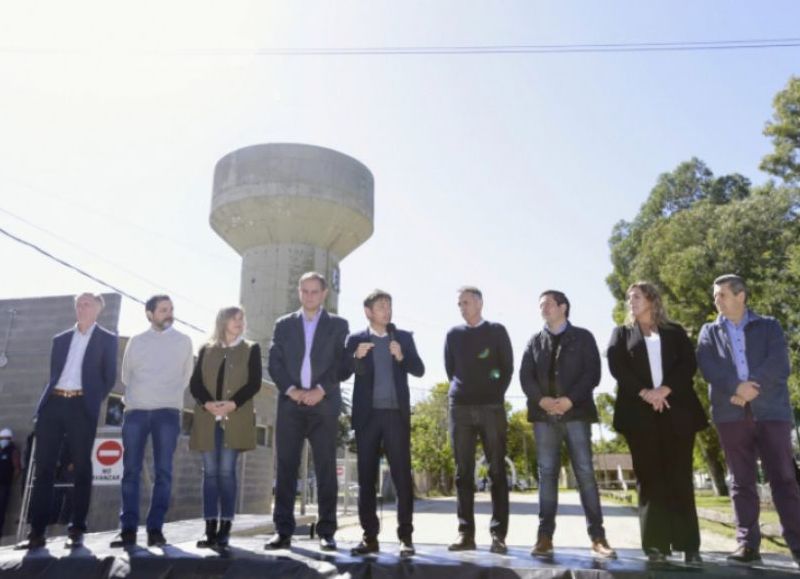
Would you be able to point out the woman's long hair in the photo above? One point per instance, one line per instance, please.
(225, 314)
(657, 311)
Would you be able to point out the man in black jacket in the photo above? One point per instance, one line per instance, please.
(479, 363)
(560, 368)
(382, 357)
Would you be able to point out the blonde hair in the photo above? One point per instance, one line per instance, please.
(657, 311)
(223, 316)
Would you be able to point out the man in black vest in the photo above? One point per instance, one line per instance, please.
(382, 357)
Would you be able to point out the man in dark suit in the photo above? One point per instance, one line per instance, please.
(304, 360)
(382, 357)
(83, 369)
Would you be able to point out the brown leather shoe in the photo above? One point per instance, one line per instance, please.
(745, 554)
(367, 546)
(601, 548)
(464, 543)
(543, 547)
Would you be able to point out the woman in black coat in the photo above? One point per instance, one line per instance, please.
(659, 414)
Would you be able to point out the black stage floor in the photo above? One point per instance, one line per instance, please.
(246, 558)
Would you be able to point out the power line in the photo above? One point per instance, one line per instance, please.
(100, 257)
(567, 48)
(88, 275)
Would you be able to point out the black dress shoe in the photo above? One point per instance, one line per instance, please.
(744, 554)
(407, 547)
(74, 539)
(692, 558)
(655, 556)
(498, 546)
(155, 538)
(34, 541)
(367, 546)
(327, 543)
(278, 541)
(464, 543)
(125, 538)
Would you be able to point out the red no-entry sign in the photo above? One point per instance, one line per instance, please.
(109, 452)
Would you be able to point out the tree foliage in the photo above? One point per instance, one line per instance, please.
(784, 129)
(430, 442)
(521, 448)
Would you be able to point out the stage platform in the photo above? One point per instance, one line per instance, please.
(246, 558)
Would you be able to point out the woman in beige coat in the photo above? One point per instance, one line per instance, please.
(226, 377)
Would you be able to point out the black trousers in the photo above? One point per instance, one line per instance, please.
(67, 420)
(385, 430)
(5, 494)
(662, 461)
(296, 423)
(488, 422)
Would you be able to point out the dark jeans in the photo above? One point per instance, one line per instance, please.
(387, 430)
(163, 425)
(662, 462)
(296, 423)
(743, 442)
(5, 494)
(62, 419)
(219, 479)
(549, 438)
(467, 423)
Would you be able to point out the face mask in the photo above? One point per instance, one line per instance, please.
(4, 442)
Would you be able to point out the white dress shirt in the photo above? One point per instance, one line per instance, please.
(72, 376)
(653, 342)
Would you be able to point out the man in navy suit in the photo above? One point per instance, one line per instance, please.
(304, 360)
(382, 358)
(83, 369)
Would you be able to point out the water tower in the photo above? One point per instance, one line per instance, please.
(288, 209)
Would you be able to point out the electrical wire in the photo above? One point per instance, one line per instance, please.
(87, 274)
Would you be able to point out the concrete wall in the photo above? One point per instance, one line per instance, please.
(27, 372)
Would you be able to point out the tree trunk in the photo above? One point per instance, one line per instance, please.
(712, 453)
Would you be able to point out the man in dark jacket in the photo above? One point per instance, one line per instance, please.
(83, 369)
(382, 357)
(745, 359)
(9, 471)
(560, 369)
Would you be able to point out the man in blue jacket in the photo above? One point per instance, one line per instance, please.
(560, 369)
(382, 357)
(745, 360)
(83, 369)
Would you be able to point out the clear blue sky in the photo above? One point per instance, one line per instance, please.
(503, 171)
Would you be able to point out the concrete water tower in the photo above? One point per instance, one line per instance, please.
(288, 209)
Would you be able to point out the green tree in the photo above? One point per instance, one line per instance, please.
(610, 441)
(521, 446)
(431, 452)
(784, 129)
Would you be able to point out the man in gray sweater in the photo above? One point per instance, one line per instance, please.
(156, 369)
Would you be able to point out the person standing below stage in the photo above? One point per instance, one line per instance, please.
(9, 471)
(658, 412)
(83, 369)
(560, 369)
(155, 371)
(479, 362)
(226, 377)
(304, 360)
(745, 360)
(382, 358)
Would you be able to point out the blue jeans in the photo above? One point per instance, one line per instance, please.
(467, 424)
(219, 479)
(549, 437)
(163, 425)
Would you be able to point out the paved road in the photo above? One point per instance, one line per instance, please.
(435, 523)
